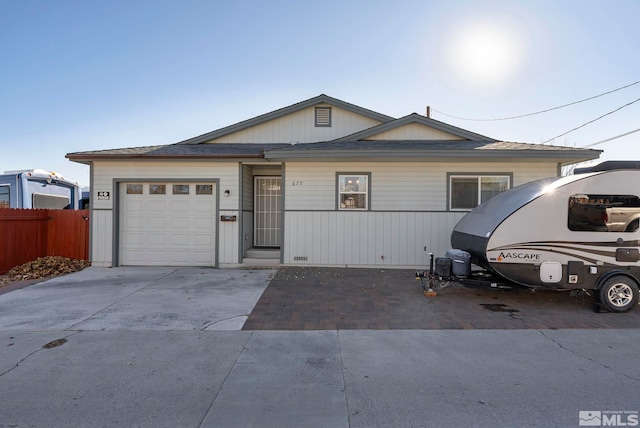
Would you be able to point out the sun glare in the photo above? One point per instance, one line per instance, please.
(484, 54)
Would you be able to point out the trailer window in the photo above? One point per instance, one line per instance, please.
(353, 191)
(5, 201)
(468, 191)
(603, 213)
(50, 202)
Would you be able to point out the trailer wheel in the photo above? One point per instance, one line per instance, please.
(619, 294)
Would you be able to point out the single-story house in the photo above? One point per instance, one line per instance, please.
(321, 182)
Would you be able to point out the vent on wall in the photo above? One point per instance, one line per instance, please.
(323, 116)
(300, 258)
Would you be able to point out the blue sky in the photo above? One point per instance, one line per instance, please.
(90, 75)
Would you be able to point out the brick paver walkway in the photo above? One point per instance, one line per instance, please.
(309, 298)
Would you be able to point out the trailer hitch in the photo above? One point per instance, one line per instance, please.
(430, 276)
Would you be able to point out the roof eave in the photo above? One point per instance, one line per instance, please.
(473, 154)
(83, 159)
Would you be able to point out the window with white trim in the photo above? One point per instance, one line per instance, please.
(468, 191)
(353, 191)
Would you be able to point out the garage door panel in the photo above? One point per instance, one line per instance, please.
(181, 223)
(133, 204)
(202, 223)
(157, 205)
(156, 239)
(167, 229)
(134, 239)
(202, 241)
(179, 206)
(199, 258)
(156, 222)
(202, 205)
(179, 240)
(133, 221)
(180, 257)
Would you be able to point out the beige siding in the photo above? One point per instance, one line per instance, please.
(247, 187)
(409, 186)
(399, 239)
(300, 127)
(228, 239)
(105, 172)
(408, 208)
(414, 131)
(101, 238)
(247, 207)
(408, 217)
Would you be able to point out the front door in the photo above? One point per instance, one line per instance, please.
(267, 212)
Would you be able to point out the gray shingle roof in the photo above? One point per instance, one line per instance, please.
(339, 149)
(180, 151)
(354, 147)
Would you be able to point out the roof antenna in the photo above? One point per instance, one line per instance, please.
(429, 112)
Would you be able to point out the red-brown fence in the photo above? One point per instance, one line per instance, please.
(26, 235)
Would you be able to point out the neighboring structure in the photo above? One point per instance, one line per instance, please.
(321, 182)
(37, 188)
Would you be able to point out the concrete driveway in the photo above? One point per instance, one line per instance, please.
(134, 347)
(130, 298)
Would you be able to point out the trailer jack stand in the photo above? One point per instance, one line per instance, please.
(430, 293)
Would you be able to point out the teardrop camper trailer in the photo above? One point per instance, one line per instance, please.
(575, 232)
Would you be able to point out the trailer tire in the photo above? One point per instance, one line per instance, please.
(619, 293)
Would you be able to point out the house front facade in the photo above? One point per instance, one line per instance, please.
(322, 182)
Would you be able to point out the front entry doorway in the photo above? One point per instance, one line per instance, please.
(267, 212)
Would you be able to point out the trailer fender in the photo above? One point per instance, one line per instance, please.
(611, 273)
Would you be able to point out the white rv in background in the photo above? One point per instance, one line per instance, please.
(37, 188)
(575, 232)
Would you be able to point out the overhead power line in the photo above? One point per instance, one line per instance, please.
(611, 139)
(591, 121)
(537, 112)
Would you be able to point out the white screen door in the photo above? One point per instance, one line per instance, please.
(267, 211)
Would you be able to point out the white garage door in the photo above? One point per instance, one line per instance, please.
(167, 224)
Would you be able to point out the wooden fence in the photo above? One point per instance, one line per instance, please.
(26, 235)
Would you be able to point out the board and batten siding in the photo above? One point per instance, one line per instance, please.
(398, 239)
(300, 127)
(101, 237)
(408, 218)
(414, 131)
(247, 207)
(105, 172)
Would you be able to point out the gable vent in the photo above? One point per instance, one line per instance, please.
(323, 116)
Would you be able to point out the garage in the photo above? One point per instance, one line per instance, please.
(167, 223)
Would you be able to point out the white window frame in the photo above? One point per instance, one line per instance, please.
(479, 177)
(360, 190)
